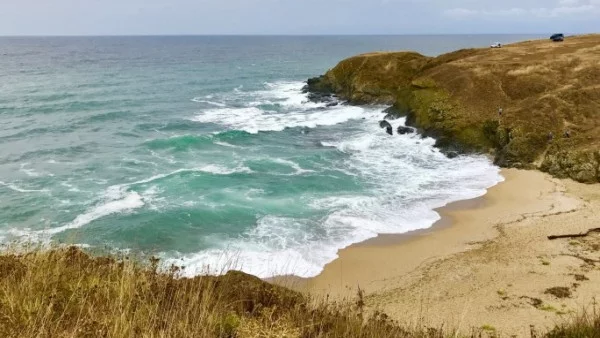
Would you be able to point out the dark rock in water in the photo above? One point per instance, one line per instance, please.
(320, 97)
(318, 90)
(405, 130)
(393, 113)
(388, 127)
(452, 154)
(449, 146)
(384, 124)
(332, 104)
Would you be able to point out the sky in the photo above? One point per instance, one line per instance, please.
(296, 17)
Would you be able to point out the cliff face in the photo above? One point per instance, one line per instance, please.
(549, 94)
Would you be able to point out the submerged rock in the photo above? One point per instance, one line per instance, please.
(451, 154)
(393, 113)
(402, 130)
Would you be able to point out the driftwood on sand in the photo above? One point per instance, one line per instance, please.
(574, 235)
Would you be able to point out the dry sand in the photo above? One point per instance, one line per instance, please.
(487, 263)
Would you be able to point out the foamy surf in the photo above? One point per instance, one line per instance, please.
(295, 111)
(253, 119)
(407, 178)
(193, 157)
(394, 182)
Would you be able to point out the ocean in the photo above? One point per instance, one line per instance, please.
(204, 150)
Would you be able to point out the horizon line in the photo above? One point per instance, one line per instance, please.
(269, 35)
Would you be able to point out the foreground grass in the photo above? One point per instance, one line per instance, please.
(584, 326)
(66, 293)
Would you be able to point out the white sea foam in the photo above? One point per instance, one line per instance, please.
(297, 111)
(213, 103)
(299, 170)
(130, 201)
(16, 188)
(408, 179)
(253, 119)
(29, 171)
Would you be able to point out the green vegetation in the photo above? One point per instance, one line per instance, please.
(488, 327)
(67, 293)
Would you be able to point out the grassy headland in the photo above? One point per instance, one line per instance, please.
(544, 89)
(67, 293)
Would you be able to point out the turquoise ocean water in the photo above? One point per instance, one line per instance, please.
(204, 150)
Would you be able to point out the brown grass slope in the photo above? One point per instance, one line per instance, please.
(67, 293)
(544, 89)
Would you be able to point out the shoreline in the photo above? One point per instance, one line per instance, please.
(487, 261)
(300, 283)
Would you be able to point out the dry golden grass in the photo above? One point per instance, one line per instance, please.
(67, 293)
(549, 94)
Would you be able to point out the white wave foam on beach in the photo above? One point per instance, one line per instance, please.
(407, 180)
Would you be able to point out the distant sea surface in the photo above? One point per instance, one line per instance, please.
(204, 150)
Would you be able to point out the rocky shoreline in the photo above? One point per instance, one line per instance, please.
(531, 105)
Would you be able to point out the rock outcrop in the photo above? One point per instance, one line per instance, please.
(388, 127)
(402, 130)
(505, 102)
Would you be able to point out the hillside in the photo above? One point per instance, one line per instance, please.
(67, 293)
(544, 89)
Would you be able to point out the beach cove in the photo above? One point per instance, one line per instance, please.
(520, 259)
(487, 262)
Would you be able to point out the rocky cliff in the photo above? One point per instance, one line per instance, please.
(548, 93)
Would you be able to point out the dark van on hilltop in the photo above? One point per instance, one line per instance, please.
(557, 37)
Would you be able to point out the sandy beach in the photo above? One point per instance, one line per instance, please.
(487, 263)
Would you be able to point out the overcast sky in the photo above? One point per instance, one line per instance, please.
(141, 17)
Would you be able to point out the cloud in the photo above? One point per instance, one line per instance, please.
(460, 12)
(562, 8)
(155, 17)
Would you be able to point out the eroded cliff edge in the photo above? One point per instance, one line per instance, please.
(549, 94)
